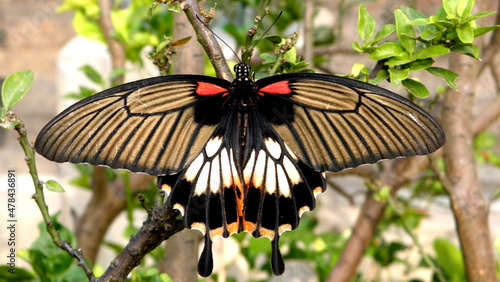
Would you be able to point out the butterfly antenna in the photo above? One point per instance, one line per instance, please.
(218, 37)
(267, 30)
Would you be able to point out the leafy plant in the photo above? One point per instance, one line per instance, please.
(420, 39)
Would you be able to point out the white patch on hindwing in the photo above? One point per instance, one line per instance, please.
(215, 175)
(202, 181)
(270, 176)
(273, 148)
(283, 182)
(225, 167)
(194, 168)
(213, 146)
(247, 172)
(293, 173)
(272, 168)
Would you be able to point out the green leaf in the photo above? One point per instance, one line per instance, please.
(412, 13)
(86, 27)
(386, 50)
(48, 261)
(385, 254)
(450, 7)
(421, 22)
(398, 75)
(115, 73)
(54, 186)
(465, 33)
(484, 29)
(323, 35)
(404, 30)
(432, 51)
(92, 74)
(402, 59)
(381, 75)
(20, 274)
(429, 34)
(174, 7)
(450, 260)
(291, 55)
(421, 64)
(448, 76)
(383, 194)
(355, 45)
(472, 50)
(275, 39)
(15, 87)
(366, 24)
(478, 15)
(383, 33)
(464, 8)
(416, 88)
(357, 68)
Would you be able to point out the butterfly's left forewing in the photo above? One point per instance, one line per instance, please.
(155, 126)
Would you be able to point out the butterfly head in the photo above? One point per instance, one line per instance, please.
(242, 71)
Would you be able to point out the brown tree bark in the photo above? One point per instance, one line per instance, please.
(155, 230)
(468, 203)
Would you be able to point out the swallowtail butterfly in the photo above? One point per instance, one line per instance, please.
(242, 155)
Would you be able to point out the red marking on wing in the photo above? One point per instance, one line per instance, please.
(205, 88)
(281, 87)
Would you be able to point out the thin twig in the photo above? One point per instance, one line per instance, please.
(40, 198)
(206, 39)
(262, 12)
(340, 190)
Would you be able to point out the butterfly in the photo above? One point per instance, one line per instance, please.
(243, 155)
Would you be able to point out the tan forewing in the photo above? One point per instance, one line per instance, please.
(149, 126)
(339, 123)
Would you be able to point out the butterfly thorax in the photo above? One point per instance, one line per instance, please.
(242, 88)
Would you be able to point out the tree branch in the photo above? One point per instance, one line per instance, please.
(469, 206)
(397, 173)
(206, 38)
(160, 227)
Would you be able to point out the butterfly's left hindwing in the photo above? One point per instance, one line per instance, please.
(332, 123)
(155, 126)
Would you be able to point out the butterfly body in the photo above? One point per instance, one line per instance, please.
(242, 155)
